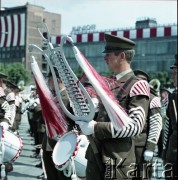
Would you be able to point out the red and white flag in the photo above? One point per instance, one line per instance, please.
(55, 121)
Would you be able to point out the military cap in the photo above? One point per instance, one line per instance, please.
(175, 63)
(142, 74)
(2, 75)
(11, 84)
(116, 43)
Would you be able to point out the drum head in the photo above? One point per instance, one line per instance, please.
(64, 148)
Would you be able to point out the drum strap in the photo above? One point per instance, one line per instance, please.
(1, 158)
(70, 170)
(74, 174)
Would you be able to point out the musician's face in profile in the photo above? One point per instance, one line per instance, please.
(51, 84)
(1, 82)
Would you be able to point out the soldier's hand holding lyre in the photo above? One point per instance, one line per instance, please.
(86, 127)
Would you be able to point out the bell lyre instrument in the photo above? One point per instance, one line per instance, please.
(79, 98)
(71, 146)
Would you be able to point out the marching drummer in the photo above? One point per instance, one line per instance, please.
(5, 119)
(49, 144)
(116, 147)
(11, 99)
(146, 142)
(3, 83)
(5, 114)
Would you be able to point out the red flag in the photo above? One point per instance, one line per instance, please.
(56, 124)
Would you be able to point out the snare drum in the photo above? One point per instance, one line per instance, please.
(79, 160)
(71, 145)
(12, 145)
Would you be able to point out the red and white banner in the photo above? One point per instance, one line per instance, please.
(136, 34)
(12, 28)
(55, 121)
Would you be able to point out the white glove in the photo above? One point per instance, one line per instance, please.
(95, 103)
(5, 125)
(148, 155)
(87, 127)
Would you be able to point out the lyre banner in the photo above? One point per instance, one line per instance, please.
(56, 124)
(117, 114)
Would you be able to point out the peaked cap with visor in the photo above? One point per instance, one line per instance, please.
(116, 43)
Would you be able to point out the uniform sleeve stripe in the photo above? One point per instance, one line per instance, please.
(155, 126)
(166, 134)
(5, 106)
(165, 102)
(135, 127)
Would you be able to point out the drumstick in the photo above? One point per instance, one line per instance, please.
(175, 110)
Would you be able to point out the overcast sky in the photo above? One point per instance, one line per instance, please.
(105, 14)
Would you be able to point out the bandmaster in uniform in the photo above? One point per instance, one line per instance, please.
(48, 144)
(116, 147)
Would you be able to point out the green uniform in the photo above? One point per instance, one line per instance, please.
(116, 148)
(149, 137)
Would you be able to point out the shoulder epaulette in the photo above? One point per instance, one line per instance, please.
(2, 92)
(10, 97)
(155, 103)
(141, 87)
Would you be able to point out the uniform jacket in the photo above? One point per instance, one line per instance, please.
(154, 122)
(5, 113)
(119, 146)
(170, 137)
(149, 137)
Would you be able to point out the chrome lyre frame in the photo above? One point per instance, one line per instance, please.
(79, 98)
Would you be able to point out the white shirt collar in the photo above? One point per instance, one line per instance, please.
(120, 75)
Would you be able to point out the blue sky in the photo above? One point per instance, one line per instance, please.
(105, 14)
